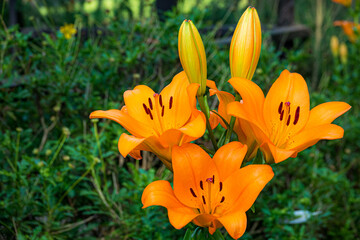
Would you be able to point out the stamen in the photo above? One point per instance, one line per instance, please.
(170, 102)
(151, 116)
(213, 179)
(281, 115)
(280, 107)
(201, 185)
(146, 109)
(220, 186)
(297, 115)
(162, 111)
(288, 121)
(150, 104)
(222, 199)
(203, 198)
(192, 192)
(160, 101)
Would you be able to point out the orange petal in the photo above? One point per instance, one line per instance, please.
(258, 129)
(214, 120)
(192, 90)
(289, 88)
(234, 223)
(243, 187)
(211, 84)
(252, 98)
(175, 99)
(195, 128)
(191, 131)
(135, 127)
(326, 113)
(311, 136)
(136, 100)
(136, 154)
(224, 99)
(228, 158)
(275, 154)
(160, 193)
(191, 165)
(128, 144)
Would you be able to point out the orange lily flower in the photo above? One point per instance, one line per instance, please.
(348, 28)
(283, 123)
(241, 127)
(210, 192)
(158, 122)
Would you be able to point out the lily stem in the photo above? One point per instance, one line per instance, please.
(205, 109)
(232, 123)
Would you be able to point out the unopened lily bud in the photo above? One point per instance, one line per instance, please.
(192, 55)
(343, 53)
(245, 45)
(334, 45)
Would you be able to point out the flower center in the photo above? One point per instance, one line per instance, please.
(209, 195)
(156, 110)
(281, 132)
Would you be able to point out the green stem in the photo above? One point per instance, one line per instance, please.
(205, 109)
(58, 149)
(232, 123)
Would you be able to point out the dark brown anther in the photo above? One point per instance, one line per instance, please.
(297, 115)
(201, 185)
(150, 104)
(281, 115)
(192, 192)
(280, 107)
(160, 101)
(213, 181)
(146, 109)
(151, 116)
(220, 186)
(288, 120)
(162, 111)
(222, 199)
(170, 102)
(203, 198)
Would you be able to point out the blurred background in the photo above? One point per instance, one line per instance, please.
(61, 175)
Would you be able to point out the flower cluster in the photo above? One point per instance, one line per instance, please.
(214, 189)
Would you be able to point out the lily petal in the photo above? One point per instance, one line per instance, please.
(136, 100)
(128, 144)
(191, 165)
(275, 154)
(248, 183)
(234, 223)
(131, 124)
(228, 158)
(326, 113)
(175, 99)
(291, 90)
(160, 193)
(311, 136)
(252, 98)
